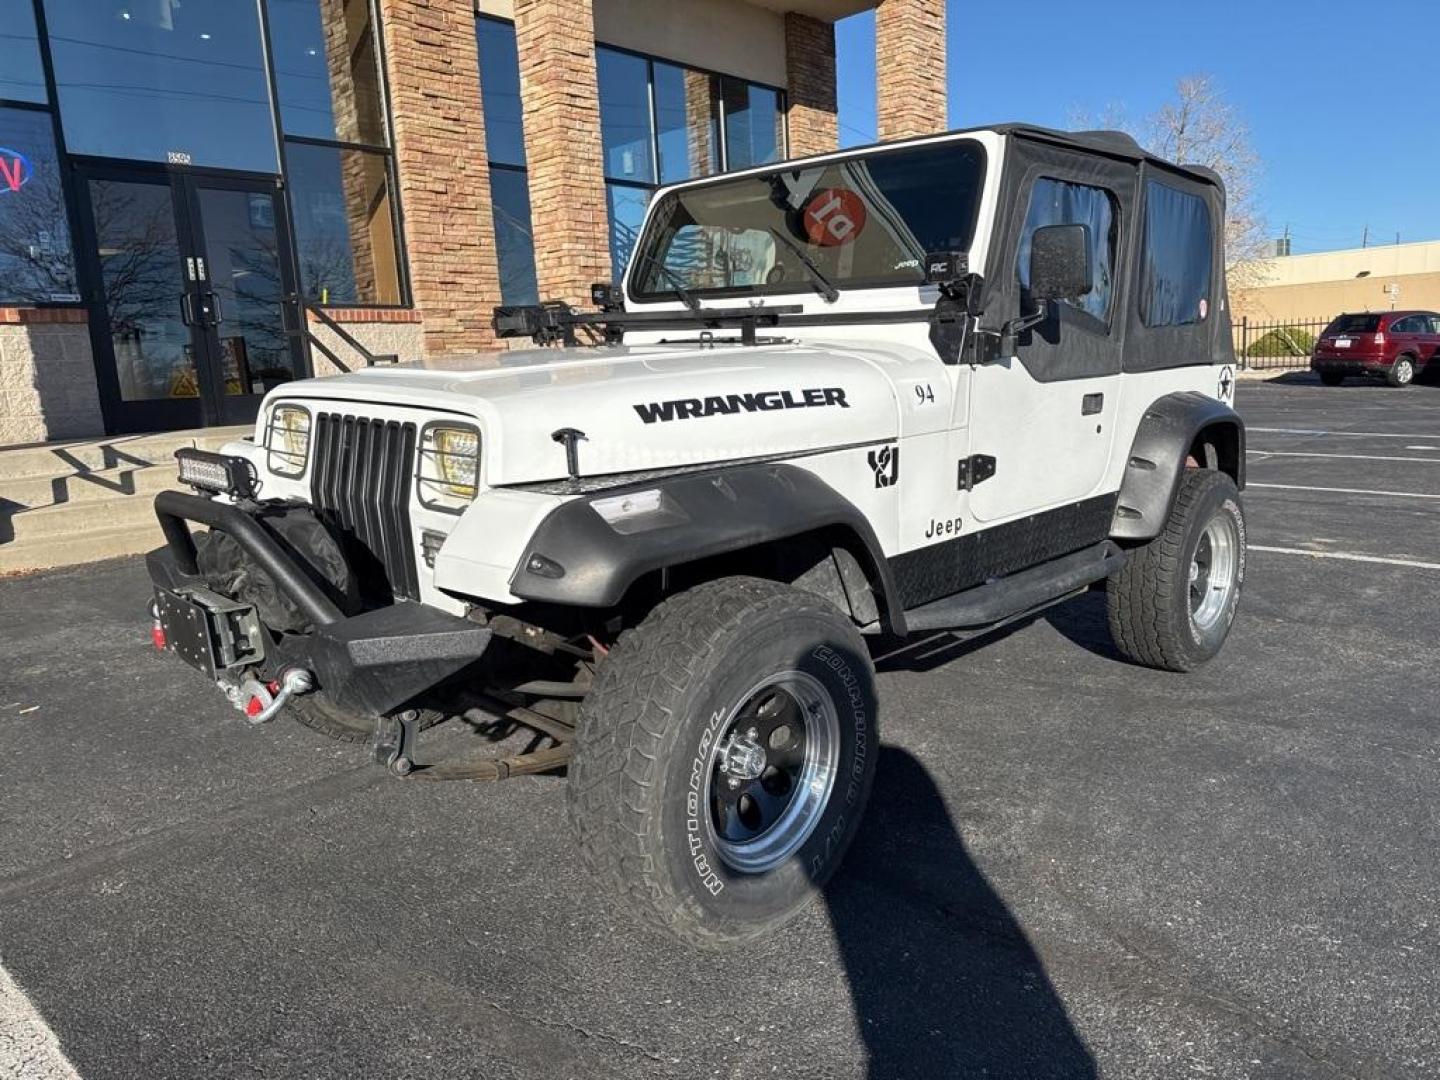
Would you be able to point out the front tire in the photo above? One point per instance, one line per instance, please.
(1402, 372)
(724, 758)
(1172, 604)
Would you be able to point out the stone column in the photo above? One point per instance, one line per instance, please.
(434, 75)
(569, 218)
(910, 66)
(810, 62)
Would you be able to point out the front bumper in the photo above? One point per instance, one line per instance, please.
(372, 664)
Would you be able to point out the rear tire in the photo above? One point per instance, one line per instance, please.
(1331, 378)
(1402, 372)
(724, 758)
(1172, 604)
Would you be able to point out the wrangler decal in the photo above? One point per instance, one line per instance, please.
(761, 401)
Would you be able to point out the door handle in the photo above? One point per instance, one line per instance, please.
(217, 308)
(1092, 404)
(187, 310)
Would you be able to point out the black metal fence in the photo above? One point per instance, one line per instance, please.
(1276, 346)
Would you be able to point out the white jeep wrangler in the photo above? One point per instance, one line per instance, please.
(933, 386)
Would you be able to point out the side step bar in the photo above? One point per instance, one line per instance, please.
(1006, 597)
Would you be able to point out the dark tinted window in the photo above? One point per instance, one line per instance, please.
(1435, 324)
(152, 80)
(625, 116)
(688, 134)
(510, 204)
(21, 77)
(1179, 257)
(1354, 324)
(863, 221)
(1408, 325)
(327, 71)
(754, 124)
(344, 225)
(35, 261)
(1056, 202)
(500, 92)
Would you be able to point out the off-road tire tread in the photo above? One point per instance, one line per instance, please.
(622, 743)
(1141, 595)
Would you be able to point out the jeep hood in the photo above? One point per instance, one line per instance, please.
(642, 407)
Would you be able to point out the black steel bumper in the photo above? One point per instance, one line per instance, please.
(372, 663)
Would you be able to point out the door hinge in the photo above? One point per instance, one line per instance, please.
(975, 469)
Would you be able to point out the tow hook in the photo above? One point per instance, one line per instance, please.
(260, 701)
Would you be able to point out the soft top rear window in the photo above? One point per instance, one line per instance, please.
(862, 221)
(1354, 324)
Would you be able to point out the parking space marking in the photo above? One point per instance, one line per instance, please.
(1347, 434)
(1342, 491)
(1352, 457)
(1347, 556)
(29, 1048)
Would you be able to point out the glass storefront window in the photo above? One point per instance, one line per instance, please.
(687, 128)
(157, 80)
(500, 92)
(627, 214)
(22, 78)
(510, 202)
(36, 264)
(754, 124)
(625, 116)
(505, 148)
(344, 225)
(327, 72)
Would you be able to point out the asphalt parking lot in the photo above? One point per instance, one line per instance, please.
(1071, 867)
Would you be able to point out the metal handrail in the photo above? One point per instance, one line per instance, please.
(312, 341)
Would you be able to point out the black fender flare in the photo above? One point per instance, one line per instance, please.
(1166, 433)
(577, 559)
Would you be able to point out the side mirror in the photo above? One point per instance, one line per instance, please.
(1060, 267)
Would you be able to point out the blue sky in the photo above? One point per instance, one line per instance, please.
(1342, 101)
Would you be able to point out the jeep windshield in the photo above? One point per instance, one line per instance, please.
(860, 222)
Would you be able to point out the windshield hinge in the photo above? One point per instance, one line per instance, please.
(975, 469)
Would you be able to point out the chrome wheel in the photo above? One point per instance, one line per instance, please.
(1404, 372)
(772, 771)
(1214, 571)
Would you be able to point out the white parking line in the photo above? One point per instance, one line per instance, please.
(1346, 556)
(1352, 457)
(1342, 491)
(1347, 434)
(29, 1049)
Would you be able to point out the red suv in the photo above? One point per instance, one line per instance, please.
(1394, 345)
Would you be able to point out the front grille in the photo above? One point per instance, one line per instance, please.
(361, 476)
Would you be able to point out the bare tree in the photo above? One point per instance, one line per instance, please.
(1199, 127)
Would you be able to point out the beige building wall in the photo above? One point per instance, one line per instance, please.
(1300, 288)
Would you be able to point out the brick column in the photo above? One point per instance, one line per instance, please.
(569, 218)
(910, 62)
(810, 65)
(434, 74)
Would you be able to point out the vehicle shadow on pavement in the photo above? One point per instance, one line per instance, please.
(943, 978)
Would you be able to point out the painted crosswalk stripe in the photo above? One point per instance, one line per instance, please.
(1351, 457)
(1346, 434)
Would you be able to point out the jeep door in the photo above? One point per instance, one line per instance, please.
(1046, 414)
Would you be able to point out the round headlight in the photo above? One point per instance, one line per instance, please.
(288, 440)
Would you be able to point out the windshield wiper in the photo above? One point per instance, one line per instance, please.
(677, 284)
(823, 285)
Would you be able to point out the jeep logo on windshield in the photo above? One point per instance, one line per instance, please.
(761, 401)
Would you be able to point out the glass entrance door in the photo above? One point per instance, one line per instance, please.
(188, 275)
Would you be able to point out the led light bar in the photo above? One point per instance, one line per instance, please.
(213, 473)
